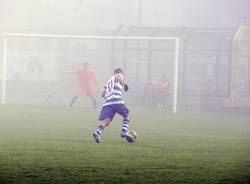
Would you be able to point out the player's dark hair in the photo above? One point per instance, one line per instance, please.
(118, 70)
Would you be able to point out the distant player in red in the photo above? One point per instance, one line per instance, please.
(86, 78)
(163, 90)
(150, 92)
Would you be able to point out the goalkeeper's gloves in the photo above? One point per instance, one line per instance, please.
(126, 87)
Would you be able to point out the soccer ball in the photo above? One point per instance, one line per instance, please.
(132, 135)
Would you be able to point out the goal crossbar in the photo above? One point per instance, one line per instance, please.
(92, 37)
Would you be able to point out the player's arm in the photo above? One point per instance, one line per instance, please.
(104, 91)
(123, 82)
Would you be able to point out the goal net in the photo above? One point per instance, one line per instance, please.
(34, 67)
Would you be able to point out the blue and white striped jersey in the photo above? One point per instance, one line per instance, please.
(113, 92)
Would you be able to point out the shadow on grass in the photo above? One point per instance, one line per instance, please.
(3, 180)
(236, 180)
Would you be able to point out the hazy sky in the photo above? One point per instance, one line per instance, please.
(91, 14)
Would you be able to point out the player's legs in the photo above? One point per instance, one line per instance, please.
(97, 134)
(105, 117)
(162, 99)
(72, 102)
(124, 112)
(125, 125)
(91, 93)
(165, 100)
(94, 102)
(79, 91)
(124, 129)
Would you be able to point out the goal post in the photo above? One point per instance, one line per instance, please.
(240, 69)
(175, 40)
(4, 66)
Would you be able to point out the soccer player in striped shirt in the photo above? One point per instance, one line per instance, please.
(113, 103)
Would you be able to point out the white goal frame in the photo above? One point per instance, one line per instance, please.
(91, 37)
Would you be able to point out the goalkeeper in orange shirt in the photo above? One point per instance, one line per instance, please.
(86, 77)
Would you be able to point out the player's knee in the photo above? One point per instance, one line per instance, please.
(125, 117)
(106, 122)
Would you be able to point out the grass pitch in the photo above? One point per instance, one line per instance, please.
(54, 145)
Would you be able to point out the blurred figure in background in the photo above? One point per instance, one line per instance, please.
(163, 92)
(150, 92)
(35, 66)
(86, 77)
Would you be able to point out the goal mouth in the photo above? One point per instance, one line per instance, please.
(120, 50)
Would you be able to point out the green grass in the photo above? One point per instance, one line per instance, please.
(54, 145)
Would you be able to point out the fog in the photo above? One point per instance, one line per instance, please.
(214, 52)
(94, 14)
